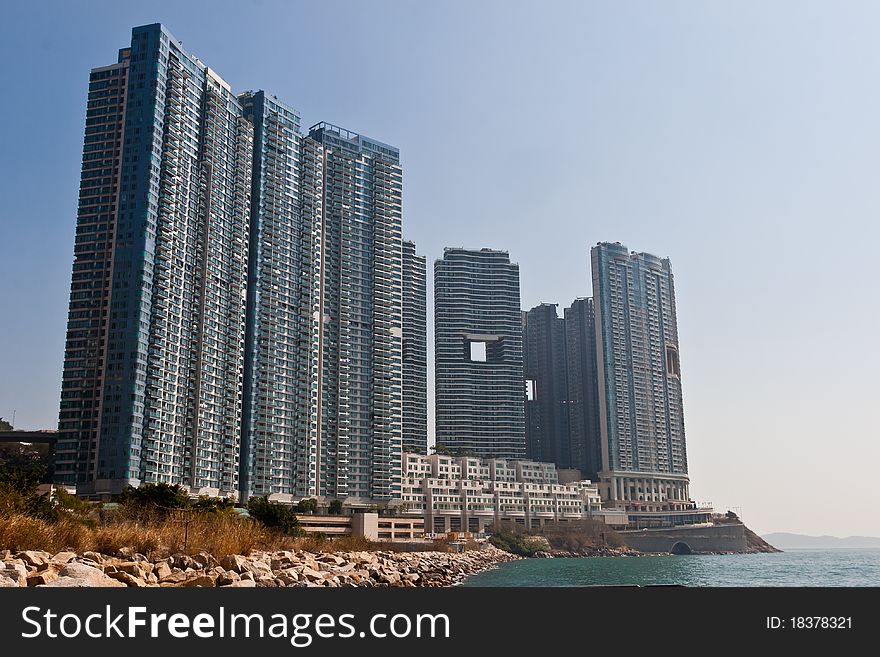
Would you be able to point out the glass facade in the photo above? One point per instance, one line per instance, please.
(415, 351)
(236, 311)
(641, 414)
(478, 353)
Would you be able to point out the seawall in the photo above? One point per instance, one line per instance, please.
(729, 537)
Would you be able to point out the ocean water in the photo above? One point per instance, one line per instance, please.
(859, 567)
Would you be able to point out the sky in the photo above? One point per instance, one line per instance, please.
(739, 139)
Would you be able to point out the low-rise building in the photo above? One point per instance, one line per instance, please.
(471, 494)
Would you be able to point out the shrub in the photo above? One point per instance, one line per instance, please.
(309, 505)
(151, 502)
(274, 515)
(335, 507)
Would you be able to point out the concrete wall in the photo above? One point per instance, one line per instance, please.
(717, 538)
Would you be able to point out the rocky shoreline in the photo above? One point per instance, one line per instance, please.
(259, 569)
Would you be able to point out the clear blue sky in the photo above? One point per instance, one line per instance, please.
(740, 139)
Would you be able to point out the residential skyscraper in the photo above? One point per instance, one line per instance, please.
(478, 353)
(276, 390)
(640, 410)
(415, 351)
(356, 410)
(583, 388)
(562, 411)
(236, 311)
(174, 210)
(544, 356)
(88, 324)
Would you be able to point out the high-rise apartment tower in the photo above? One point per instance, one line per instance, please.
(640, 402)
(478, 354)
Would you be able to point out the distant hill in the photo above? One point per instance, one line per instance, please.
(785, 541)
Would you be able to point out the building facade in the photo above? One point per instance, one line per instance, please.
(583, 388)
(415, 351)
(478, 353)
(176, 205)
(473, 494)
(644, 460)
(547, 413)
(236, 312)
(356, 410)
(562, 402)
(275, 395)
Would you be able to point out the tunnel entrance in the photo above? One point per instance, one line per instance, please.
(681, 548)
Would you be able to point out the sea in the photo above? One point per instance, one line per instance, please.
(835, 567)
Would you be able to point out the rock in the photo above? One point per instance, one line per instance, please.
(331, 558)
(16, 572)
(127, 579)
(243, 583)
(183, 561)
(202, 581)
(7, 582)
(228, 577)
(93, 556)
(235, 563)
(161, 570)
(34, 557)
(132, 568)
(63, 557)
(205, 560)
(80, 575)
(312, 575)
(44, 577)
(176, 576)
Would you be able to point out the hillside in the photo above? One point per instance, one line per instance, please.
(785, 540)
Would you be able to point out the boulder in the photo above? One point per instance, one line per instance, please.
(43, 577)
(161, 570)
(80, 575)
(127, 579)
(63, 557)
(242, 583)
(205, 560)
(201, 581)
(16, 573)
(34, 557)
(228, 577)
(234, 562)
(92, 556)
(132, 568)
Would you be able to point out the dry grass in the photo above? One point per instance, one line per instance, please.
(217, 534)
(20, 532)
(321, 543)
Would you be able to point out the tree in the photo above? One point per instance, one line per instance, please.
(335, 507)
(4, 425)
(214, 504)
(443, 450)
(153, 500)
(274, 515)
(309, 505)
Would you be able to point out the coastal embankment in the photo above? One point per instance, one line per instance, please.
(259, 569)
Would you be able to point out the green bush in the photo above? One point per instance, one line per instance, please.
(335, 507)
(309, 505)
(214, 504)
(274, 515)
(152, 501)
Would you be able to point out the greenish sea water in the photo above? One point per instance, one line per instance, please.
(792, 568)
